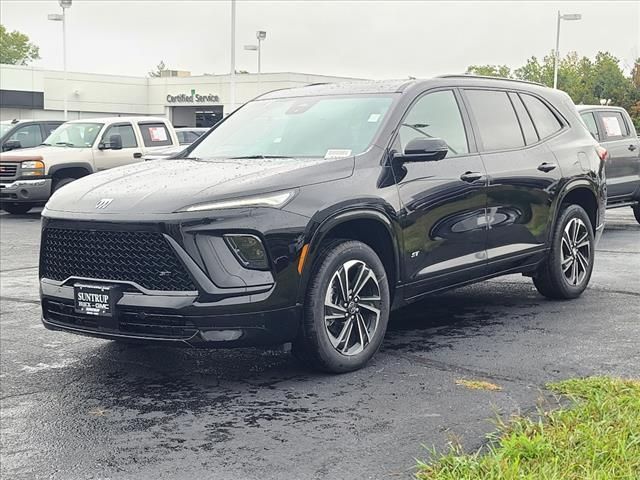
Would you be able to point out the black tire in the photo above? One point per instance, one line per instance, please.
(314, 344)
(636, 212)
(58, 183)
(550, 279)
(16, 209)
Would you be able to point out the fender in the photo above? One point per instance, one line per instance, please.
(61, 166)
(580, 182)
(316, 234)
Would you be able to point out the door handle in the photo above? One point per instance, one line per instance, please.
(470, 176)
(546, 167)
(632, 147)
(137, 155)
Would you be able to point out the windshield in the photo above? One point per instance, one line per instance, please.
(76, 135)
(322, 126)
(4, 128)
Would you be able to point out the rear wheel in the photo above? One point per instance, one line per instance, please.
(567, 269)
(346, 308)
(17, 209)
(636, 212)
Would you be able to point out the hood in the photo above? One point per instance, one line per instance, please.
(165, 186)
(49, 155)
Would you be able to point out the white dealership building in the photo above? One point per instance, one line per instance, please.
(33, 93)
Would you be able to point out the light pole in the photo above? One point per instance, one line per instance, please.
(556, 55)
(56, 17)
(233, 56)
(260, 35)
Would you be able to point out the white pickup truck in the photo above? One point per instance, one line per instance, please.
(75, 149)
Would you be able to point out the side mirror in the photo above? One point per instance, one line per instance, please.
(11, 145)
(114, 143)
(424, 149)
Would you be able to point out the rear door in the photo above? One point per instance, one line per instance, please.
(521, 170)
(443, 202)
(106, 158)
(622, 168)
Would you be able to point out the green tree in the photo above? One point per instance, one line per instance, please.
(161, 67)
(490, 70)
(16, 49)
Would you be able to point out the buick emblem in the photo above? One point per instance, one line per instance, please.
(104, 203)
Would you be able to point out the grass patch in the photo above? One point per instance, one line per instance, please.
(478, 385)
(597, 438)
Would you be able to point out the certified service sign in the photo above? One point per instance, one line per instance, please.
(193, 98)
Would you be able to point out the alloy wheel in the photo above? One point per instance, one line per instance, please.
(352, 307)
(575, 251)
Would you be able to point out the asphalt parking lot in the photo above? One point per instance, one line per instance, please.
(80, 408)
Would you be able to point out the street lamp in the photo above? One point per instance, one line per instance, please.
(56, 17)
(260, 35)
(556, 60)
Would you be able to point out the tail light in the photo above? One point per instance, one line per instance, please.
(602, 153)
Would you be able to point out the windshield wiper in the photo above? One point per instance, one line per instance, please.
(249, 157)
(66, 144)
(47, 144)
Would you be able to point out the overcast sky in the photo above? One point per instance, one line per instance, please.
(369, 39)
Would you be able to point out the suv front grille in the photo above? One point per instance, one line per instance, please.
(8, 170)
(145, 258)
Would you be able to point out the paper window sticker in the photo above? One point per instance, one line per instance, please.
(612, 126)
(374, 117)
(158, 134)
(337, 153)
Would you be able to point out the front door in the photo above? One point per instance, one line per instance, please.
(522, 173)
(443, 202)
(129, 153)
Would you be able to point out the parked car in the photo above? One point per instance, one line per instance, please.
(613, 129)
(76, 149)
(309, 214)
(188, 135)
(16, 134)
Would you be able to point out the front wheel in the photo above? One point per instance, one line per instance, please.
(567, 269)
(346, 308)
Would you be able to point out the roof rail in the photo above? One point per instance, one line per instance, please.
(489, 77)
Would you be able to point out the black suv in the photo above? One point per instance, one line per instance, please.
(309, 214)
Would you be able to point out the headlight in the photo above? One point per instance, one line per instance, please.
(274, 200)
(249, 250)
(32, 168)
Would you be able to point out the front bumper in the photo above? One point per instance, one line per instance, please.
(228, 306)
(140, 323)
(35, 192)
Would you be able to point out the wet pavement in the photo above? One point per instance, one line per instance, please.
(80, 408)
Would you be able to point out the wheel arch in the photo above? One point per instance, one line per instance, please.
(71, 170)
(581, 192)
(357, 224)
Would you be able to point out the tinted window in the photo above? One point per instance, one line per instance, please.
(528, 130)
(155, 134)
(545, 121)
(614, 124)
(436, 115)
(50, 127)
(497, 123)
(28, 136)
(126, 133)
(590, 121)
